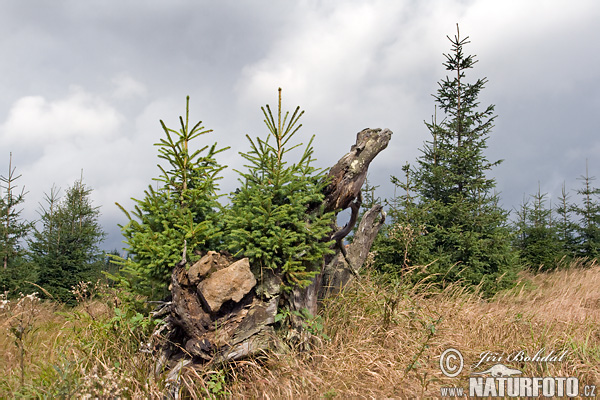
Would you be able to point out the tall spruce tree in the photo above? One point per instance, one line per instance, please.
(462, 231)
(268, 220)
(13, 231)
(65, 249)
(178, 217)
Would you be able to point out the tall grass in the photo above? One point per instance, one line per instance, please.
(386, 340)
(91, 351)
(379, 340)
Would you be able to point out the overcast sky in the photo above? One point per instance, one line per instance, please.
(84, 84)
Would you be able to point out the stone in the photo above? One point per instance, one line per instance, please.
(211, 262)
(231, 283)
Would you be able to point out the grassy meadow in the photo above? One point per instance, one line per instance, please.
(377, 340)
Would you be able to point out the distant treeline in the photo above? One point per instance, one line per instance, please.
(444, 222)
(58, 252)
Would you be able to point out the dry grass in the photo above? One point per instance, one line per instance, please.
(386, 343)
(83, 352)
(382, 341)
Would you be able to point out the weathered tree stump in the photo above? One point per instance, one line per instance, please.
(219, 310)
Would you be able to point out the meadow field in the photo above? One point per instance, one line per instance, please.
(375, 340)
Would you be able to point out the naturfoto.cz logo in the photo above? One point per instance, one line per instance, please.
(504, 381)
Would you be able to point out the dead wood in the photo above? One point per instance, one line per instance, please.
(219, 311)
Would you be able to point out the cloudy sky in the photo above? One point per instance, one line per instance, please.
(84, 85)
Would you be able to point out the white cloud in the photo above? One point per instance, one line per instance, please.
(324, 54)
(54, 140)
(35, 120)
(127, 87)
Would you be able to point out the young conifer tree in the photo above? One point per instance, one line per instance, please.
(13, 230)
(177, 218)
(565, 227)
(65, 248)
(464, 233)
(402, 243)
(588, 213)
(539, 242)
(268, 221)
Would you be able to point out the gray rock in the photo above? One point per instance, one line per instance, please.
(231, 283)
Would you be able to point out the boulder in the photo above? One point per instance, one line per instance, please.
(230, 283)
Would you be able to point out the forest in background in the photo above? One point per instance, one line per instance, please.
(445, 213)
(445, 229)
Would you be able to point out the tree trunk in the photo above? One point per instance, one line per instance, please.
(218, 311)
(347, 178)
